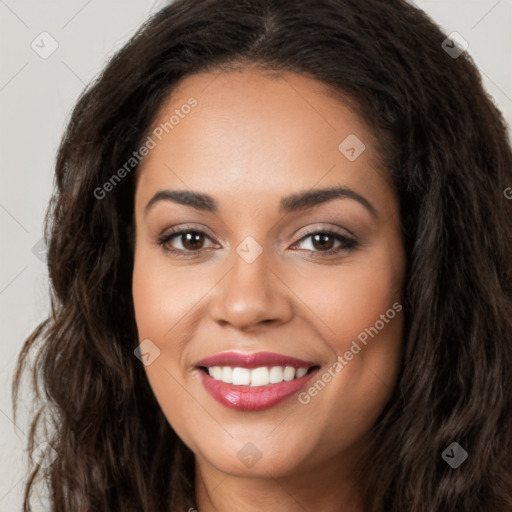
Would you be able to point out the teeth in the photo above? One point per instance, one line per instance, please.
(241, 376)
(301, 372)
(227, 374)
(261, 376)
(276, 375)
(289, 373)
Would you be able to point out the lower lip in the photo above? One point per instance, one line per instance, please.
(257, 398)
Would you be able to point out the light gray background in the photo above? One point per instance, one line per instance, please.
(36, 98)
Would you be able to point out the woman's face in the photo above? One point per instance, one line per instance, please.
(273, 334)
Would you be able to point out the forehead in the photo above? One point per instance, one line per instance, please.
(260, 132)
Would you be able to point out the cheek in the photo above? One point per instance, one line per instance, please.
(360, 316)
(352, 299)
(162, 294)
(161, 299)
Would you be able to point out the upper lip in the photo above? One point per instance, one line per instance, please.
(253, 360)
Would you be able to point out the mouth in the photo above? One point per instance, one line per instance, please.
(253, 382)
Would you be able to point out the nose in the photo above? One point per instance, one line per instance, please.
(251, 294)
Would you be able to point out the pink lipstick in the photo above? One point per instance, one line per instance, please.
(253, 382)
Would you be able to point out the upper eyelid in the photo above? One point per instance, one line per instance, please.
(184, 229)
(331, 229)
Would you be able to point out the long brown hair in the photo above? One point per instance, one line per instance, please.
(446, 150)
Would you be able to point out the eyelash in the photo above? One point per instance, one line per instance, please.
(348, 244)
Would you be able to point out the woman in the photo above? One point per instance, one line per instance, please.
(280, 256)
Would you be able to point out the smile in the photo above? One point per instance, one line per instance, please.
(261, 376)
(253, 382)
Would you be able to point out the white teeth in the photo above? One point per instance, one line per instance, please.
(276, 374)
(301, 372)
(289, 373)
(227, 374)
(241, 376)
(261, 376)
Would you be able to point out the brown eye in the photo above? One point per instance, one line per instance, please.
(323, 242)
(188, 241)
(192, 240)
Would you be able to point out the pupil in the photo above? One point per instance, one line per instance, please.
(321, 238)
(191, 240)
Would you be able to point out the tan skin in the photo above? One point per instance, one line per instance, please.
(252, 139)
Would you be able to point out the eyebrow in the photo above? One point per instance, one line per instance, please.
(292, 203)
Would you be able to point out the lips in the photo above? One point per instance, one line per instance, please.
(252, 382)
(253, 360)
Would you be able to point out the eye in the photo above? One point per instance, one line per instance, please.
(323, 242)
(191, 241)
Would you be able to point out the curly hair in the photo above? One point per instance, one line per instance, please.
(446, 150)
